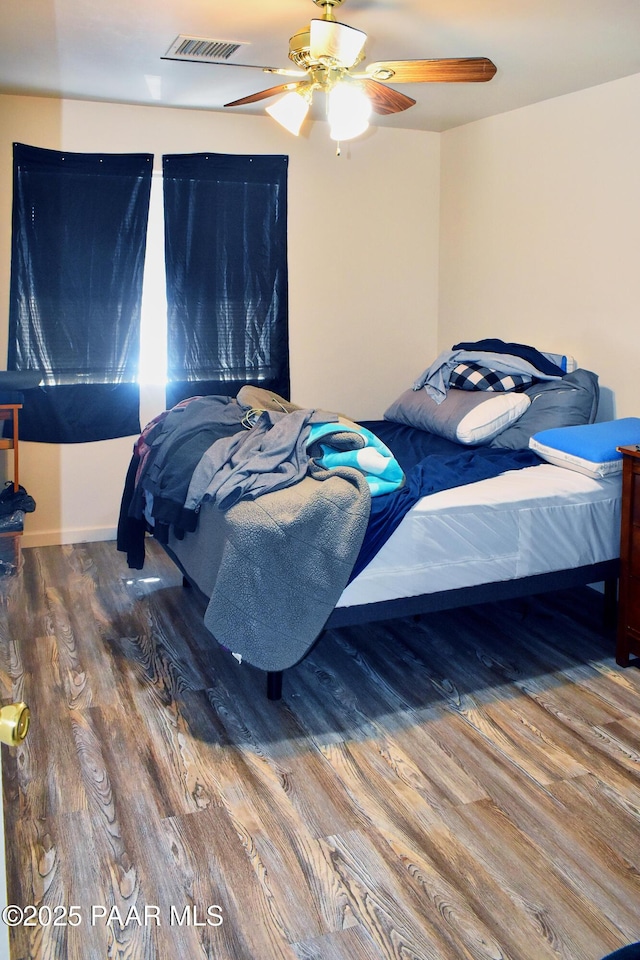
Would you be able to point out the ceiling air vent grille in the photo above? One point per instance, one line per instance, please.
(202, 49)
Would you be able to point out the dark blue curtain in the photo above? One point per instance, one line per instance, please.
(226, 265)
(77, 258)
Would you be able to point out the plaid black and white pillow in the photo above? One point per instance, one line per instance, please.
(473, 376)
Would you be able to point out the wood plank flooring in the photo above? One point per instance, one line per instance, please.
(463, 786)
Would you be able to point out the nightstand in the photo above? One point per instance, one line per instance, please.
(628, 643)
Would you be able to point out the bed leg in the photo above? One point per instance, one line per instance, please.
(274, 684)
(610, 605)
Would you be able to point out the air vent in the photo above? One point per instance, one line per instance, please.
(202, 49)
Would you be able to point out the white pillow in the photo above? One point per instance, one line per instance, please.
(464, 416)
(589, 448)
(487, 420)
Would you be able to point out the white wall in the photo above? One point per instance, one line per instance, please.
(363, 262)
(540, 233)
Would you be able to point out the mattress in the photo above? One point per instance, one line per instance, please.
(521, 523)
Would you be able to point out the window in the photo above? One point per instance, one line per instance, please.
(78, 245)
(78, 259)
(226, 266)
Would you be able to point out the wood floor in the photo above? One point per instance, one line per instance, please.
(465, 785)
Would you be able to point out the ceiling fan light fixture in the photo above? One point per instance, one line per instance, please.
(290, 111)
(348, 111)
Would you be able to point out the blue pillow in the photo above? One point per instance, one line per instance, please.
(589, 448)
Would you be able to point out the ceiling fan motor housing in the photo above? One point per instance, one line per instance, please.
(329, 49)
(299, 48)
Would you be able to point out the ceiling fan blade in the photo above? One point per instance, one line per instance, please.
(455, 70)
(335, 41)
(264, 94)
(385, 100)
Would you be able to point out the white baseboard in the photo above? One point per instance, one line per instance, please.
(50, 538)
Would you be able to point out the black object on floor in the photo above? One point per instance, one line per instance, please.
(12, 500)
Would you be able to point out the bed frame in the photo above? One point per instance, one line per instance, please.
(605, 572)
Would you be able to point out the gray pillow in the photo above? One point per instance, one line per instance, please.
(468, 417)
(554, 403)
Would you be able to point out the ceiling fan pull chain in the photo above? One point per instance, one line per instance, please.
(338, 150)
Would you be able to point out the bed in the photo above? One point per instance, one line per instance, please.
(531, 527)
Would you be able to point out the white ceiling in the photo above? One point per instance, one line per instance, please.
(113, 49)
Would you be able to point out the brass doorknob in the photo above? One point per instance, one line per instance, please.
(14, 723)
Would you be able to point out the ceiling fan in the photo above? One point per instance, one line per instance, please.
(328, 52)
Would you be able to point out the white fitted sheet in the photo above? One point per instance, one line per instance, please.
(523, 522)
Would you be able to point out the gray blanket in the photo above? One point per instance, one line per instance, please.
(275, 567)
